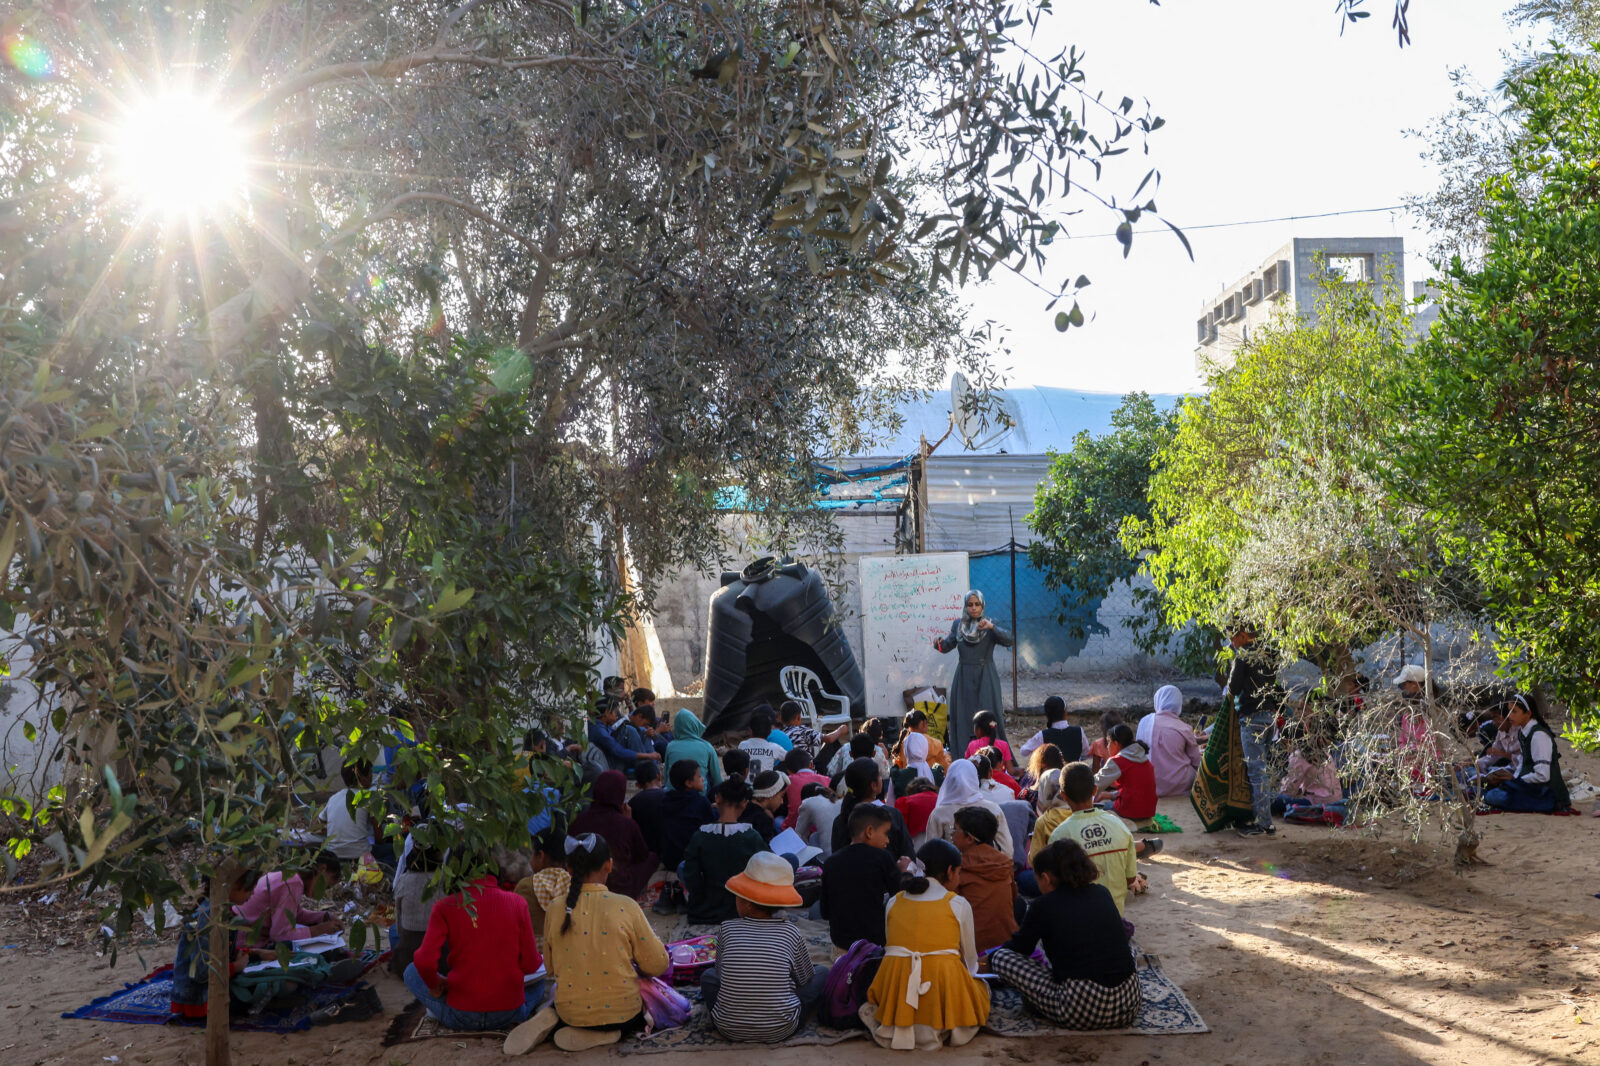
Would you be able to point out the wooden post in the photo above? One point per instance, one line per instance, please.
(220, 950)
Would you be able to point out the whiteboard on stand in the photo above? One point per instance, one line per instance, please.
(907, 601)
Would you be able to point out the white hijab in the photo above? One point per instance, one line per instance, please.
(960, 788)
(915, 750)
(1168, 700)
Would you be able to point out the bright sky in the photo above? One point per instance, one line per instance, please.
(1270, 112)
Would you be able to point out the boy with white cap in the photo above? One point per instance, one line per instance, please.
(763, 983)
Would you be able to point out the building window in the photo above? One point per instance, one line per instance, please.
(1352, 269)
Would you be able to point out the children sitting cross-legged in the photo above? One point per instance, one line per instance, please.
(915, 806)
(273, 911)
(191, 970)
(768, 791)
(716, 852)
(857, 879)
(1099, 833)
(961, 789)
(1128, 780)
(993, 781)
(550, 880)
(632, 861)
(488, 935)
(988, 878)
(763, 983)
(1052, 808)
(1090, 981)
(926, 992)
(863, 782)
(599, 945)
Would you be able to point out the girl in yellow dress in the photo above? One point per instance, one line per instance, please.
(926, 992)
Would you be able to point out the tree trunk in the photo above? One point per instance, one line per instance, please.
(220, 950)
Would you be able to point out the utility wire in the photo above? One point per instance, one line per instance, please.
(1249, 222)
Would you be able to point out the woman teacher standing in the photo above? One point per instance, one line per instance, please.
(976, 686)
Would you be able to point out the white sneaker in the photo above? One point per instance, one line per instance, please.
(531, 1033)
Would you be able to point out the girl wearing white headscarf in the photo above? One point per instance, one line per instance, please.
(915, 749)
(1174, 749)
(960, 789)
(976, 684)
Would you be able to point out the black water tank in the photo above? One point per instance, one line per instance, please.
(768, 616)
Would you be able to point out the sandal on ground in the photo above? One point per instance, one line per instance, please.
(572, 1038)
(531, 1033)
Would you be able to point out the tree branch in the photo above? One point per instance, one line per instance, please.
(397, 66)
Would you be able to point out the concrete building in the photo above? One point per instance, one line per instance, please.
(1290, 278)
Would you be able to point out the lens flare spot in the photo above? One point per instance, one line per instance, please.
(27, 55)
(180, 153)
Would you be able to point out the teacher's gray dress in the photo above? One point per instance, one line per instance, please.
(976, 685)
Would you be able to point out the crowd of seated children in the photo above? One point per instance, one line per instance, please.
(599, 944)
(918, 802)
(487, 935)
(986, 734)
(763, 983)
(1100, 750)
(1099, 833)
(960, 789)
(863, 782)
(1068, 739)
(819, 806)
(1533, 782)
(766, 745)
(927, 992)
(716, 852)
(619, 744)
(768, 790)
(632, 860)
(988, 878)
(858, 878)
(273, 911)
(550, 879)
(796, 767)
(1089, 981)
(688, 742)
(1174, 749)
(1127, 781)
(191, 969)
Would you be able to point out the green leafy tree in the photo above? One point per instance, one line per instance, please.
(1263, 507)
(1079, 510)
(1497, 421)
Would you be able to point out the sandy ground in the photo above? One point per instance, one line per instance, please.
(1313, 947)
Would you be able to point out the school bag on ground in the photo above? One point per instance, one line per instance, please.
(846, 987)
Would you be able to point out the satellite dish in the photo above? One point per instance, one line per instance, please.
(980, 421)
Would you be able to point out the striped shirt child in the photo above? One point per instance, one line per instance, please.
(762, 964)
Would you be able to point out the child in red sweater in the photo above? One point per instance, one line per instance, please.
(1128, 780)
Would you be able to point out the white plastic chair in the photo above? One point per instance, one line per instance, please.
(798, 681)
